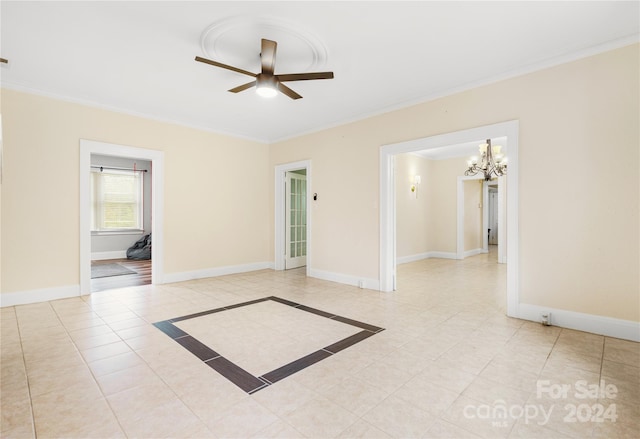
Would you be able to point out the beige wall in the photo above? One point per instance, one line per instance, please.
(472, 214)
(443, 194)
(428, 223)
(578, 180)
(412, 212)
(344, 235)
(578, 184)
(215, 207)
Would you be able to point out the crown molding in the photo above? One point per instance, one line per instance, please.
(533, 67)
(93, 104)
(521, 71)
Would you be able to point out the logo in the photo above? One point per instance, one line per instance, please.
(595, 408)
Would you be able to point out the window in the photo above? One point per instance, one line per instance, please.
(116, 200)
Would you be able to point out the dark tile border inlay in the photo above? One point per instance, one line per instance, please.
(241, 377)
(236, 375)
(349, 341)
(295, 366)
(168, 328)
(199, 349)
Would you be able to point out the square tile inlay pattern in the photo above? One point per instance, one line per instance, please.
(257, 343)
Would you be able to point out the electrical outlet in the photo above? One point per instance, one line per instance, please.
(545, 319)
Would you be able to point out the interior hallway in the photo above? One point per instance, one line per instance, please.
(95, 366)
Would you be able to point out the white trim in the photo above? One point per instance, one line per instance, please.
(387, 199)
(298, 260)
(347, 279)
(512, 223)
(116, 232)
(216, 271)
(485, 216)
(474, 252)
(279, 221)
(442, 255)
(502, 224)
(39, 295)
(618, 328)
(387, 268)
(88, 147)
(102, 256)
(460, 216)
(412, 258)
(427, 255)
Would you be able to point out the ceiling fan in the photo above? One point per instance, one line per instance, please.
(267, 83)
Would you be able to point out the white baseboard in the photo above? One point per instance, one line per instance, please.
(101, 256)
(214, 272)
(443, 255)
(39, 295)
(412, 258)
(427, 255)
(611, 327)
(618, 328)
(46, 294)
(474, 252)
(363, 282)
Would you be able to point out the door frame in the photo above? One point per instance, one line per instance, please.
(293, 262)
(502, 259)
(509, 129)
(88, 147)
(460, 253)
(279, 221)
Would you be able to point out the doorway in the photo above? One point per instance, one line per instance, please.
(286, 205)
(492, 206)
(296, 219)
(387, 200)
(90, 148)
(490, 233)
(121, 233)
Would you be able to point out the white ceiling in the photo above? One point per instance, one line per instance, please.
(138, 57)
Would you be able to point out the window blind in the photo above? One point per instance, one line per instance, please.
(117, 200)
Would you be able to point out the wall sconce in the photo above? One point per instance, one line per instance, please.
(414, 186)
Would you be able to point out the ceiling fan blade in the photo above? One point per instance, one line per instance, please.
(287, 91)
(243, 87)
(268, 56)
(224, 66)
(304, 76)
(5, 61)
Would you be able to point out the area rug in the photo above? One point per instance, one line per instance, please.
(108, 270)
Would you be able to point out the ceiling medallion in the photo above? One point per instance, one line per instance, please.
(235, 41)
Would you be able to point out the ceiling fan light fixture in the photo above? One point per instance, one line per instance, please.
(266, 91)
(266, 86)
(267, 83)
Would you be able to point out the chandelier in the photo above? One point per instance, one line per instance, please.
(492, 162)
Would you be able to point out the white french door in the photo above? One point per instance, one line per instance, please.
(295, 220)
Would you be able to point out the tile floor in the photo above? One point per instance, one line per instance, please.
(279, 338)
(449, 364)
